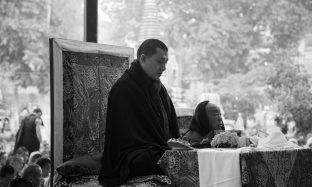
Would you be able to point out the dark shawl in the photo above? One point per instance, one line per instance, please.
(135, 123)
(200, 121)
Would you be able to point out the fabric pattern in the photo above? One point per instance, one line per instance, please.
(275, 167)
(92, 181)
(181, 166)
(184, 123)
(87, 80)
(259, 167)
(149, 181)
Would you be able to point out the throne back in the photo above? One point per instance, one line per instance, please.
(82, 75)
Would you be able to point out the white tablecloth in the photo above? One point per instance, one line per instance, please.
(219, 168)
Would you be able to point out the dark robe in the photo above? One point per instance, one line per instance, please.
(27, 135)
(140, 120)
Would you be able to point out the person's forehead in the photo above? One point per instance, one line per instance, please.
(212, 108)
(161, 54)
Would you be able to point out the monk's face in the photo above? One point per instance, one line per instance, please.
(155, 64)
(214, 116)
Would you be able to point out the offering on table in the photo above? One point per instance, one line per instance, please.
(237, 132)
(178, 144)
(225, 140)
(243, 141)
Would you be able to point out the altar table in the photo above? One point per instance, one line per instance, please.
(291, 167)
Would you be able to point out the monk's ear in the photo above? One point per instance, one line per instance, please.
(143, 58)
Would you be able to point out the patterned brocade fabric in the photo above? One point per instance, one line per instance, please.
(181, 166)
(87, 80)
(92, 181)
(259, 167)
(275, 168)
(149, 181)
(184, 123)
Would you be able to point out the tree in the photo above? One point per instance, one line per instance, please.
(221, 35)
(67, 19)
(23, 42)
(243, 93)
(122, 23)
(289, 85)
(231, 43)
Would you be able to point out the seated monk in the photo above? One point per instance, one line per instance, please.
(206, 119)
(140, 118)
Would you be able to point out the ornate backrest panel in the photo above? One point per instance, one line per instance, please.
(82, 75)
(87, 79)
(184, 123)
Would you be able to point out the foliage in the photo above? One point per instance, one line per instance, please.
(23, 43)
(209, 36)
(243, 93)
(220, 36)
(67, 19)
(232, 105)
(123, 18)
(232, 43)
(289, 85)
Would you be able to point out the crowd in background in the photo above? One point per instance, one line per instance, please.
(22, 164)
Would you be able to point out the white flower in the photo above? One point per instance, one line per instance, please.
(229, 138)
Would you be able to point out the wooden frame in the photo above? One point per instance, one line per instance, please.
(100, 58)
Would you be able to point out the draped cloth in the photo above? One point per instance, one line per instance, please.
(140, 118)
(219, 168)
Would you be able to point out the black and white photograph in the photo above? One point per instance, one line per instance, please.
(155, 93)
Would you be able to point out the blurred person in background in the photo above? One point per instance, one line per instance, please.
(33, 173)
(29, 132)
(3, 158)
(17, 163)
(45, 148)
(6, 175)
(23, 113)
(23, 152)
(281, 124)
(34, 156)
(239, 124)
(6, 135)
(6, 125)
(45, 164)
